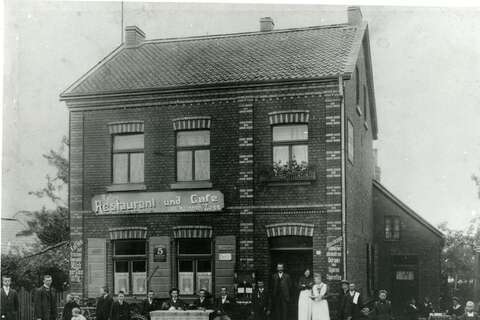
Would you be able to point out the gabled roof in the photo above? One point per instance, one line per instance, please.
(407, 209)
(255, 57)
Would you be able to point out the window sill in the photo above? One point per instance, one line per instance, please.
(126, 187)
(289, 183)
(191, 185)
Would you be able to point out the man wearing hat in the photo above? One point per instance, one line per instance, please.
(353, 304)
(456, 310)
(342, 299)
(382, 308)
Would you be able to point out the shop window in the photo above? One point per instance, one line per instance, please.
(193, 155)
(350, 141)
(290, 145)
(130, 266)
(128, 158)
(392, 228)
(194, 265)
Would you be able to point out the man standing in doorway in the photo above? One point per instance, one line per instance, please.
(9, 306)
(281, 292)
(353, 303)
(45, 300)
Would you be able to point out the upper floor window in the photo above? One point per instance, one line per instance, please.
(128, 158)
(193, 155)
(392, 228)
(350, 141)
(357, 86)
(365, 102)
(290, 145)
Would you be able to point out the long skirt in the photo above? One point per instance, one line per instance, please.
(320, 310)
(304, 305)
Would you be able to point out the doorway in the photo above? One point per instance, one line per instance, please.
(295, 252)
(404, 281)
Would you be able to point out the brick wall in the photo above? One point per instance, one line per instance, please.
(359, 175)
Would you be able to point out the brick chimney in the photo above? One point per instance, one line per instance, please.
(134, 36)
(354, 16)
(266, 24)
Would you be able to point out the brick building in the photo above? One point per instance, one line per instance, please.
(197, 161)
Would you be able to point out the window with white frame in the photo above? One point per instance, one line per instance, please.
(194, 258)
(193, 155)
(290, 145)
(128, 158)
(130, 266)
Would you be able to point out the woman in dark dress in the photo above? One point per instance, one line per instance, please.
(382, 308)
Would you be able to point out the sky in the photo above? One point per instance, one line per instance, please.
(425, 62)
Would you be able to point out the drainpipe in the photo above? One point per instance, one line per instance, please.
(342, 139)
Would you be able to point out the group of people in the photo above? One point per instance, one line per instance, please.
(273, 304)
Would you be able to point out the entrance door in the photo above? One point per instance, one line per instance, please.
(404, 281)
(296, 255)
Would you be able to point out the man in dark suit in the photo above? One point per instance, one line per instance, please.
(224, 306)
(260, 305)
(281, 293)
(104, 304)
(45, 301)
(342, 300)
(149, 304)
(353, 304)
(174, 303)
(120, 308)
(10, 305)
(202, 303)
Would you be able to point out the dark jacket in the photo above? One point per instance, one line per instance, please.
(104, 307)
(382, 310)
(352, 309)
(205, 304)
(458, 312)
(411, 312)
(281, 287)
(224, 308)
(425, 309)
(67, 310)
(147, 307)
(120, 311)
(178, 305)
(9, 305)
(342, 300)
(260, 304)
(45, 303)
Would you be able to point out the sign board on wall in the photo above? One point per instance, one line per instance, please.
(160, 253)
(157, 202)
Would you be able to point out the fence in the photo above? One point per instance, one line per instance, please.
(25, 299)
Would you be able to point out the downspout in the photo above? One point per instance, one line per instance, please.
(342, 139)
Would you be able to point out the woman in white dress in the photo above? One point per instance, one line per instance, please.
(319, 302)
(305, 284)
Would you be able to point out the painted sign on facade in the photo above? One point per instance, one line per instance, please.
(157, 202)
